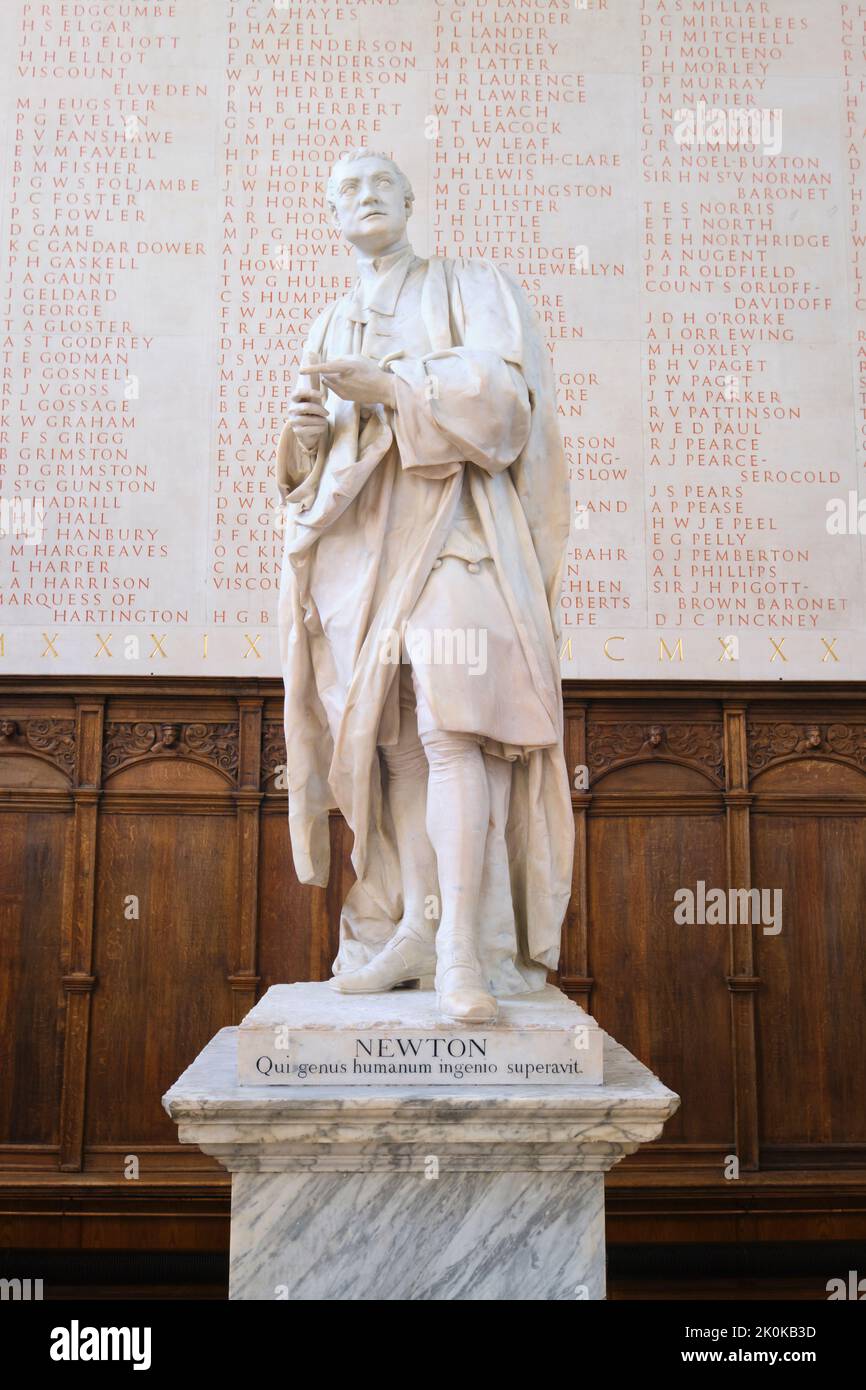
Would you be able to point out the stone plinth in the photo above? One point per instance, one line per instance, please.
(373, 1192)
(308, 1035)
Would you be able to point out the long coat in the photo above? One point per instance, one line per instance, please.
(340, 697)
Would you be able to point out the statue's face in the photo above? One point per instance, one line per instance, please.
(370, 205)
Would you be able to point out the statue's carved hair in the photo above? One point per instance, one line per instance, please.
(361, 153)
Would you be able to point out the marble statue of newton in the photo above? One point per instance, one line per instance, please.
(427, 513)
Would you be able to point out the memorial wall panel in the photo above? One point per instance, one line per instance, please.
(677, 188)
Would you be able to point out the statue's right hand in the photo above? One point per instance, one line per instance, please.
(307, 415)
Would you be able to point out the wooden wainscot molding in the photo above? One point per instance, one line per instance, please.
(578, 988)
(245, 982)
(78, 983)
(743, 984)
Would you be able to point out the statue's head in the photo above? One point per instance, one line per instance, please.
(370, 199)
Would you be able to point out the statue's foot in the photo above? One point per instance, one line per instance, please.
(406, 959)
(462, 997)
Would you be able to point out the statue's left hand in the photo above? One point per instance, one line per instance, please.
(357, 378)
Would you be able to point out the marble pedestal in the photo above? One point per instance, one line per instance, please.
(437, 1192)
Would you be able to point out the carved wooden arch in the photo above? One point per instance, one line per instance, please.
(50, 741)
(213, 746)
(773, 745)
(699, 747)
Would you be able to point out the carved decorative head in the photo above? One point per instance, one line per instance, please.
(8, 728)
(170, 735)
(656, 736)
(371, 200)
(813, 736)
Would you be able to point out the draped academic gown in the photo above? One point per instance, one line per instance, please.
(468, 464)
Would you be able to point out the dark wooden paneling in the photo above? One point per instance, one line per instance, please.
(32, 848)
(660, 988)
(170, 790)
(813, 997)
(163, 977)
(297, 934)
(808, 777)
